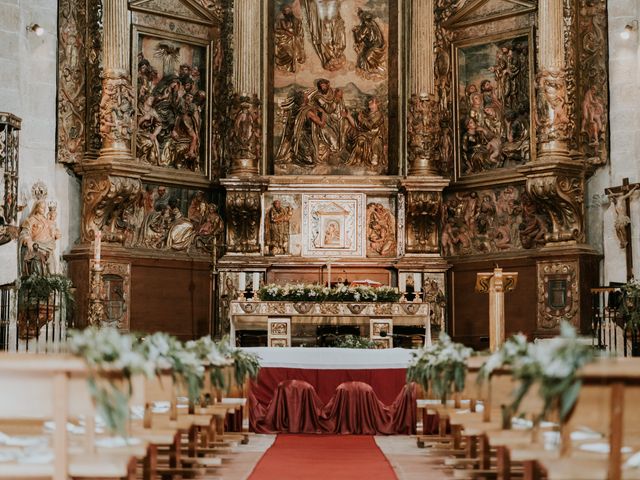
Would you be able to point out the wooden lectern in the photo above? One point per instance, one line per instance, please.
(496, 284)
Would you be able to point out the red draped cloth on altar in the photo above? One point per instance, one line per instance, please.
(332, 401)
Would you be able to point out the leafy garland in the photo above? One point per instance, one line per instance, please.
(441, 367)
(318, 293)
(107, 351)
(630, 305)
(552, 365)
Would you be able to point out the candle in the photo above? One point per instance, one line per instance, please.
(96, 247)
(329, 275)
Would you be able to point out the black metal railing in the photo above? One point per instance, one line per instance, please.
(609, 326)
(6, 304)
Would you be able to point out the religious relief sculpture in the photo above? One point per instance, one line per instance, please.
(289, 41)
(159, 220)
(435, 297)
(243, 219)
(277, 228)
(423, 214)
(494, 112)
(171, 104)
(116, 112)
(593, 119)
(321, 133)
(552, 119)
(370, 47)
(38, 235)
(327, 30)
(381, 231)
(494, 220)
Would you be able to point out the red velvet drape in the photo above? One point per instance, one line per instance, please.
(354, 408)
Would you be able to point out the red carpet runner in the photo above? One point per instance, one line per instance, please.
(323, 457)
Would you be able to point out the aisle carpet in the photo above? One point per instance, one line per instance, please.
(323, 457)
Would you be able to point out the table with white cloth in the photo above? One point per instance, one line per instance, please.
(326, 369)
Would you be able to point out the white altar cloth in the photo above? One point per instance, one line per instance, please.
(332, 358)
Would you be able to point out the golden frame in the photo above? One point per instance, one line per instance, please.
(168, 174)
(476, 41)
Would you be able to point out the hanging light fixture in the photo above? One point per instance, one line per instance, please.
(35, 28)
(628, 28)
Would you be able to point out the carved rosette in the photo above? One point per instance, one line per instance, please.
(116, 112)
(72, 100)
(562, 197)
(552, 115)
(105, 198)
(243, 213)
(423, 213)
(558, 294)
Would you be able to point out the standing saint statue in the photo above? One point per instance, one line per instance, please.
(327, 31)
(38, 236)
(289, 41)
(369, 45)
(277, 228)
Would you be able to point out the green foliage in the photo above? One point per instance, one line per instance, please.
(630, 306)
(354, 341)
(39, 288)
(318, 293)
(246, 365)
(440, 367)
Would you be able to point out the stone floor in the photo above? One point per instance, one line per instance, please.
(408, 461)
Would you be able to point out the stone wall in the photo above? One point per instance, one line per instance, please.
(28, 90)
(624, 65)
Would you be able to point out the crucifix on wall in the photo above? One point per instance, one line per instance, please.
(620, 196)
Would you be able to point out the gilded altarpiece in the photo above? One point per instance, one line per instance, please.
(334, 86)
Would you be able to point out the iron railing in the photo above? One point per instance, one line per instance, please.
(609, 327)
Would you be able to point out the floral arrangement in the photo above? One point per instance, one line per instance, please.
(318, 293)
(109, 351)
(552, 365)
(511, 351)
(440, 367)
(630, 305)
(209, 352)
(246, 365)
(354, 341)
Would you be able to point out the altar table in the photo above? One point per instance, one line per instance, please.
(326, 369)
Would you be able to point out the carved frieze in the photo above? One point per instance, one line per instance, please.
(593, 82)
(105, 199)
(422, 218)
(72, 101)
(243, 220)
(553, 122)
(562, 197)
(558, 294)
(492, 220)
(116, 111)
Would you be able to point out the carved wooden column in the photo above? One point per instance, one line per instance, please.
(117, 103)
(556, 179)
(423, 125)
(245, 142)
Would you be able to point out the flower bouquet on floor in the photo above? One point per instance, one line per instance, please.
(440, 368)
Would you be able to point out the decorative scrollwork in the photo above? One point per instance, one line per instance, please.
(104, 200)
(552, 115)
(552, 310)
(116, 111)
(244, 212)
(562, 198)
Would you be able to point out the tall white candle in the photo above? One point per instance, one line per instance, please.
(256, 281)
(96, 247)
(329, 275)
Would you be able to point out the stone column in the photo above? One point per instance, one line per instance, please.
(117, 102)
(246, 135)
(423, 115)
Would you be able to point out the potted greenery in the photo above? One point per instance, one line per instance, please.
(39, 296)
